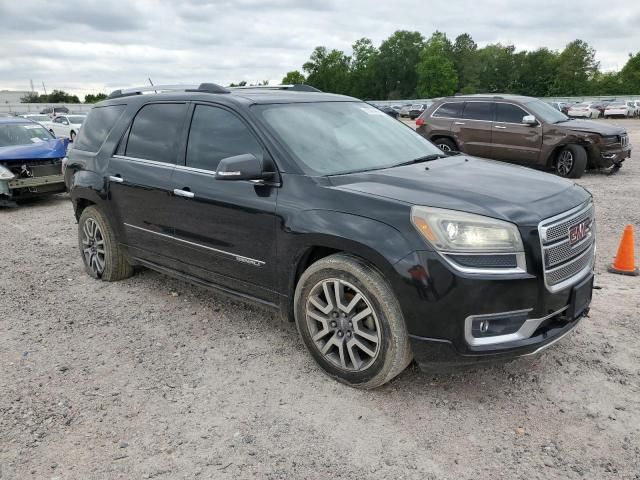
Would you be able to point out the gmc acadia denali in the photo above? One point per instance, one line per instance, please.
(380, 248)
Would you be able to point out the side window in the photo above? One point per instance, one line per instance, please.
(449, 110)
(97, 127)
(216, 134)
(58, 120)
(156, 132)
(508, 113)
(478, 111)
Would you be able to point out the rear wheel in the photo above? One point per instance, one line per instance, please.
(571, 161)
(102, 256)
(351, 322)
(445, 144)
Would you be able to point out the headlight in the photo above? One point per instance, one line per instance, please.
(471, 243)
(6, 174)
(609, 139)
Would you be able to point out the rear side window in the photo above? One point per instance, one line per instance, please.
(478, 111)
(216, 134)
(508, 113)
(449, 110)
(156, 132)
(97, 126)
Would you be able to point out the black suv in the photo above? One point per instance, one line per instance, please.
(348, 222)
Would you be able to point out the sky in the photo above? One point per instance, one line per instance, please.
(89, 46)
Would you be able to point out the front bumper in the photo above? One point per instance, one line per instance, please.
(607, 156)
(442, 307)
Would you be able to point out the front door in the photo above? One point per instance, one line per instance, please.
(514, 141)
(225, 228)
(139, 177)
(473, 129)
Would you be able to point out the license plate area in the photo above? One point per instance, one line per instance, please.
(580, 298)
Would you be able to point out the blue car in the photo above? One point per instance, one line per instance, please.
(30, 160)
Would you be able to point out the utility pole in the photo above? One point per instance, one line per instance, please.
(44, 88)
(31, 81)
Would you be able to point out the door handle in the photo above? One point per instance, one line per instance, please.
(183, 193)
(116, 179)
(499, 126)
(459, 123)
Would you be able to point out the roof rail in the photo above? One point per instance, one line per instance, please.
(203, 87)
(295, 88)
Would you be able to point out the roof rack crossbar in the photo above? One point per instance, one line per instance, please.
(203, 87)
(295, 88)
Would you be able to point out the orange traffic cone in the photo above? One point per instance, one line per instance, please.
(624, 262)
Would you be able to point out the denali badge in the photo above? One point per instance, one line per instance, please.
(579, 231)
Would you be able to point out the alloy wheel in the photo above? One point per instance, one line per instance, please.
(565, 163)
(93, 246)
(343, 325)
(444, 147)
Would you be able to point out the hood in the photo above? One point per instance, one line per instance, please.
(592, 126)
(486, 187)
(54, 148)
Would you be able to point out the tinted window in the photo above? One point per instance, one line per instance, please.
(155, 132)
(478, 111)
(97, 126)
(508, 113)
(449, 110)
(216, 134)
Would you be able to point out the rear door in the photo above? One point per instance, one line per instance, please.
(514, 141)
(473, 129)
(225, 229)
(139, 177)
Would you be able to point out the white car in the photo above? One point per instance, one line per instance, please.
(585, 110)
(66, 126)
(619, 109)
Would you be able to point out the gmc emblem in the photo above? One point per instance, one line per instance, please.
(579, 232)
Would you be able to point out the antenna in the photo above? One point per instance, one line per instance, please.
(151, 83)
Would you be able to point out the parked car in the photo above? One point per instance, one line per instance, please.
(416, 110)
(633, 109)
(66, 126)
(585, 110)
(404, 111)
(376, 244)
(618, 109)
(30, 160)
(53, 111)
(388, 110)
(523, 130)
(40, 118)
(561, 106)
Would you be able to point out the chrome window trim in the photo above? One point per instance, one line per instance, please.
(146, 161)
(239, 258)
(527, 329)
(196, 170)
(521, 263)
(491, 121)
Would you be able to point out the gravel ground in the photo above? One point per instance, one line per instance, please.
(156, 378)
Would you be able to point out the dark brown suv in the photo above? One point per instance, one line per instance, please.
(523, 130)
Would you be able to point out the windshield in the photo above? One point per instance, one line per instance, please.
(546, 112)
(78, 120)
(330, 138)
(12, 134)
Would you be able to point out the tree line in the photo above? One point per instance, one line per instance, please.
(60, 96)
(406, 65)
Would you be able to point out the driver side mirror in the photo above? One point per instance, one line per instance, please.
(529, 120)
(242, 167)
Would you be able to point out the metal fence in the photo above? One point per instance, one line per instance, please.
(22, 108)
(546, 99)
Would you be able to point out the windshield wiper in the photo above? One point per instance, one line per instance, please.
(425, 158)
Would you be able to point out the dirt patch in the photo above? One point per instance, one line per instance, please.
(156, 378)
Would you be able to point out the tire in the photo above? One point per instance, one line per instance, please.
(108, 263)
(72, 136)
(571, 161)
(344, 360)
(445, 144)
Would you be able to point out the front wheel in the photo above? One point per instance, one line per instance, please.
(445, 144)
(350, 321)
(102, 256)
(571, 161)
(72, 136)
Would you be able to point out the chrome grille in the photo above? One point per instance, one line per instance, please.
(624, 140)
(562, 262)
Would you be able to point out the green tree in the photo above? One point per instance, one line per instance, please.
(91, 98)
(496, 68)
(31, 97)
(465, 59)
(328, 70)
(399, 55)
(364, 80)
(437, 76)
(630, 75)
(535, 72)
(293, 78)
(576, 68)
